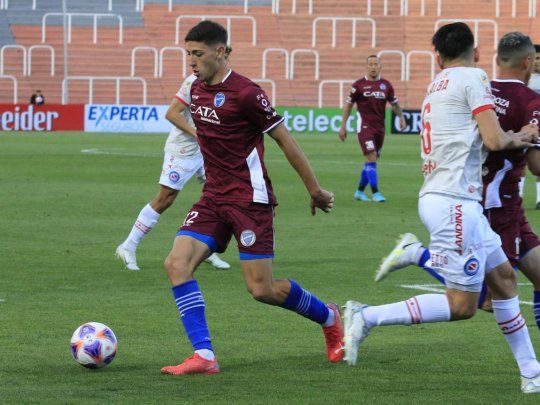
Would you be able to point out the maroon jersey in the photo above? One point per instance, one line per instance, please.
(516, 105)
(231, 118)
(370, 98)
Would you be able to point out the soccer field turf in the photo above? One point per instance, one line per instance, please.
(69, 199)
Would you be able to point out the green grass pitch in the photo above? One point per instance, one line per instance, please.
(64, 211)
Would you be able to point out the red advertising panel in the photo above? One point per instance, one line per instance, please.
(48, 117)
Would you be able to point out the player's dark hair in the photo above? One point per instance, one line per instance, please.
(537, 48)
(209, 32)
(372, 56)
(513, 47)
(453, 41)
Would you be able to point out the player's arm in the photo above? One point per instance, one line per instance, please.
(496, 139)
(396, 108)
(345, 116)
(320, 198)
(175, 117)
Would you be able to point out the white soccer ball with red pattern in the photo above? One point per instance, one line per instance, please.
(93, 345)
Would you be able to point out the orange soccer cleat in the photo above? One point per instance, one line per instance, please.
(193, 365)
(334, 337)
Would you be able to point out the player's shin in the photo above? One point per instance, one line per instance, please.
(513, 326)
(426, 308)
(191, 306)
(308, 305)
(146, 220)
(536, 310)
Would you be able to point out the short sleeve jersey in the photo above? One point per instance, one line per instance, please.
(179, 143)
(452, 148)
(370, 98)
(516, 106)
(231, 118)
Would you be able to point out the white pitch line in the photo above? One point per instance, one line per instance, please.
(438, 289)
(135, 154)
(1, 300)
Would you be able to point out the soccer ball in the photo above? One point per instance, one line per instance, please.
(93, 345)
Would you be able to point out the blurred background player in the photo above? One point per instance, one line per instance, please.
(371, 93)
(37, 98)
(534, 84)
(458, 123)
(182, 160)
(232, 114)
(516, 106)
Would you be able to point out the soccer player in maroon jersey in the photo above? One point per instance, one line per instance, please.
(371, 93)
(516, 106)
(231, 114)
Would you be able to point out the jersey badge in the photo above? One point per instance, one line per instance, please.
(219, 99)
(174, 177)
(247, 238)
(383, 86)
(471, 266)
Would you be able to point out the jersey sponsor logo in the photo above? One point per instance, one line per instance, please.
(219, 99)
(458, 225)
(205, 113)
(247, 238)
(471, 266)
(375, 94)
(501, 105)
(383, 86)
(174, 177)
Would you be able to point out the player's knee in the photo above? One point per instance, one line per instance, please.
(261, 293)
(177, 267)
(463, 311)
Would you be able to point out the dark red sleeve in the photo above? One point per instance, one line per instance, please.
(259, 110)
(392, 99)
(352, 97)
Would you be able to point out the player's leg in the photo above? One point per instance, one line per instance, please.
(175, 173)
(201, 233)
(290, 295)
(253, 227)
(367, 143)
(502, 283)
(372, 174)
(146, 220)
(529, 262)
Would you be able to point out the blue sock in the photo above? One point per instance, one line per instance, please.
(536, 301)
(363, 179)
(191, 307)
(422, 263)
(304, 303)
(371, 169)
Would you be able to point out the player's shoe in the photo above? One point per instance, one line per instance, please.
(378, 197)
(355, 330)
(128, 257)
(334, 336)
(538, 205)
(217, 262)
(361, 196)
(530, 385)
(193, 365)
(401, 256)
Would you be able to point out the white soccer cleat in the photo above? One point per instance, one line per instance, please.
(216, 261)
(530, 385)
(128, 257)
(401, 256)
(355, 331)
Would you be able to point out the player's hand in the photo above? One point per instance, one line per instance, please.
(402, 123)
(342, 134)
(529, 133)
(322, 199)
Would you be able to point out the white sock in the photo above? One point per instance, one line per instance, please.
(206, 354)
(538, 191)
(514, 328)
(146, 220)
(521, 186)
(330, 320)
(424, 308)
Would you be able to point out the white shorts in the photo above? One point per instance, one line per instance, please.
(177, 171)
(461, 240)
